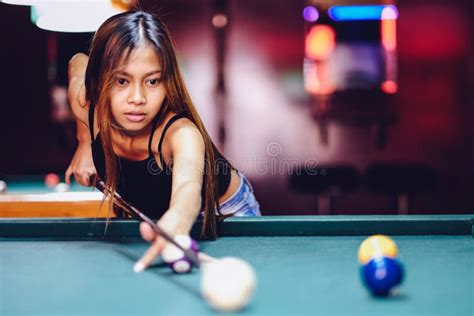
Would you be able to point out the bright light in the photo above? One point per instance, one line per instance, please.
(219, 20)
(310, 14)
(84, 16)
(37, 2)
(21, 2)
(390, 12)
(320, 42)
(389, 34)
(362, 12)
(310, 72)
(389, 87)
(123, 5)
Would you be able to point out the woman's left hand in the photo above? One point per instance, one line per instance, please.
(170, 224)
(188, 148)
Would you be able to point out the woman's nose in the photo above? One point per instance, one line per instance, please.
(137, 96)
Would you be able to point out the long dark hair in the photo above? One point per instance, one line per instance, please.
(116, 38)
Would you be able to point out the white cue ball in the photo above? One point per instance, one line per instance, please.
(3, 186)
(228, 283)
(61, 187)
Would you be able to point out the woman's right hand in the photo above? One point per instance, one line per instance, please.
(82, 166)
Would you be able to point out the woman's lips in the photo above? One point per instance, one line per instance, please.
(135, 117)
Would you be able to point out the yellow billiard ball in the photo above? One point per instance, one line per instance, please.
(376, 246)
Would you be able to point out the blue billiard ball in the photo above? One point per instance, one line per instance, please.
(381, 274)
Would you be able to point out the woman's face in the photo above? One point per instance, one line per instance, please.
(138, 91)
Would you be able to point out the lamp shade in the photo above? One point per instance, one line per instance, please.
(83, 16)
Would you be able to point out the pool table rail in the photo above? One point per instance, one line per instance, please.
(89, 228)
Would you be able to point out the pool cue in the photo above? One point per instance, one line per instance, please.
(134, 212)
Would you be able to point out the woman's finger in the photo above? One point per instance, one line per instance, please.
(67, 176)
(150, 255)
(147, 232)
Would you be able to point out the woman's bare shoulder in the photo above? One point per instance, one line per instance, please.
(182, 131)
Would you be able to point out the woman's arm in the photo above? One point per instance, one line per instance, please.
(188, 152)
(77, 92)
(82, 164)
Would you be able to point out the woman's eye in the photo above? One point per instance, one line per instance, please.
(121, 81)
(154, 81)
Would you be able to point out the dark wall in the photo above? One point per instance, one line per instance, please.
(24, 124)
(434, 106)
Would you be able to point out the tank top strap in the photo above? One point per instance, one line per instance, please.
(153, 129)
(91, 121)
(171, 121)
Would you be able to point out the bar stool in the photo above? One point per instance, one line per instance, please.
(403, 180)
(325, 182)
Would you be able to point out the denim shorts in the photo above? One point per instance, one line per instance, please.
(243, 201)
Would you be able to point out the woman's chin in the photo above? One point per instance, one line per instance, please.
(134, 129)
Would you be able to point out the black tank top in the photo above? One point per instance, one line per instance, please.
(143, 183)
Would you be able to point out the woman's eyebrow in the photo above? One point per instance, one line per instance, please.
(124, 73)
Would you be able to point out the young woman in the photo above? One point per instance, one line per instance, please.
(139, 131)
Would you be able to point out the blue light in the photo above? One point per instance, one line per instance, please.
(358, 13)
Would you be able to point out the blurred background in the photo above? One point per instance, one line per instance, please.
(329, 107)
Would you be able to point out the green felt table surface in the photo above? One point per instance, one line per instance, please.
(68, 267)
(35, 185)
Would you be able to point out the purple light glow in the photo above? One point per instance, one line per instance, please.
(310, 14)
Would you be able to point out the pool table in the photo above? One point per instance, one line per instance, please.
(306, 265)
(28, 196)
